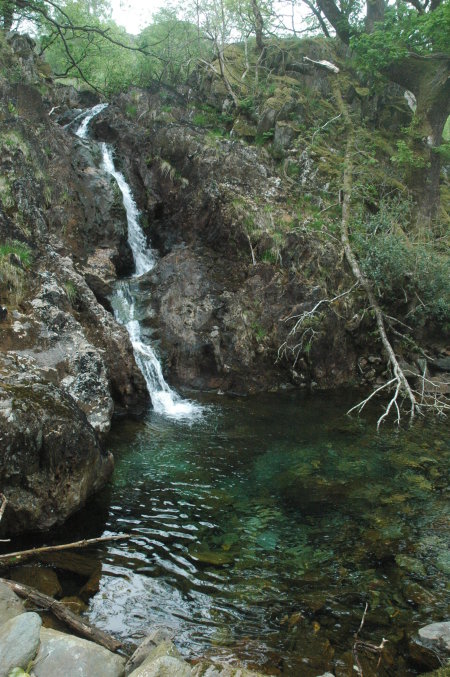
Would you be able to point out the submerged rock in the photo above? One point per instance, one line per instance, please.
(44, 580)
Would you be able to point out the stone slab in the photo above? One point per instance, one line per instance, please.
(62, 654)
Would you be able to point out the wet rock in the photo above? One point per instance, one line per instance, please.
(213, 669)
(83, 565)
(44, 580)
(61, 654)
(156, 637)
(92, 585)
(10, 605)
(416, 594)
(213, 557)
(422, 656)
(19, 642)
(100, 274)
(164, 660)
(411, 565)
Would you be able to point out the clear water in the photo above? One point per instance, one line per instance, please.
(261, 531)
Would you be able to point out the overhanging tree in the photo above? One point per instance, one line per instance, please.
(406, 43)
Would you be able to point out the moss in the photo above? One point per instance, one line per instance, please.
(6, 195)
(15, 258)
(12, 140)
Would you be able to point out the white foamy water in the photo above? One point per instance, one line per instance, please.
(164, 399)
(83, 129)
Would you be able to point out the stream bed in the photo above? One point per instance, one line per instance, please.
(261, 530)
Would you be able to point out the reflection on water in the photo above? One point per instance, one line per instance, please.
(261, 531)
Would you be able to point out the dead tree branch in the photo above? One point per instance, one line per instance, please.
(360, 644)
(402, 387)
(302, 320)
(13, 558)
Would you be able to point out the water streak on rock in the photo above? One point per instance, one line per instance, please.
(164, 399)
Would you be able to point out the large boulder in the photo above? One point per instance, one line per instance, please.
(10, 604)
(50, 456)
(19, 642)
(61, 654)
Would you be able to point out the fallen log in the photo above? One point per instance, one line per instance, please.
(58, 609)
(12, 558)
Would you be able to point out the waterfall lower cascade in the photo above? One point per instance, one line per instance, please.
(165, 400)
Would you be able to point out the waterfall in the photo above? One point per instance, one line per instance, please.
(82, 130)
(164, 399)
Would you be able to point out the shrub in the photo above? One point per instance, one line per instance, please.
(402, 271)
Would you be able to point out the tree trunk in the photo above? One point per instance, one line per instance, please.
(259, 26)
(428, 79)
(336, 18)
(374, 13)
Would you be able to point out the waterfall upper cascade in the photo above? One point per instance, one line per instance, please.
(164, 399)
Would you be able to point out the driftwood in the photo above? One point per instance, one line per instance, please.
(365, 646)
(61, 612)
(12, 558)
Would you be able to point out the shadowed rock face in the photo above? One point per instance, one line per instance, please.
(66, 366)
(51, 457)
(218, 294)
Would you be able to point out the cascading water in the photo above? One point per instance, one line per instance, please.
(82, 130)
(165, 400)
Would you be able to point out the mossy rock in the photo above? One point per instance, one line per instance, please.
(244, 128)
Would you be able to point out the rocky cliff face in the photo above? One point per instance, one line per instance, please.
(236, 261)
(66, 366)
(243, 208)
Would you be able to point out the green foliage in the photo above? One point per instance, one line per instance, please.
(131, 110)
(71, 292)
(18, 672)
(105, 65)
(247, 105)
(259, 332)
(174, 46)
(404, 30)
(18, 249)
(406, 157)
(412, 274)
(15, 257)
